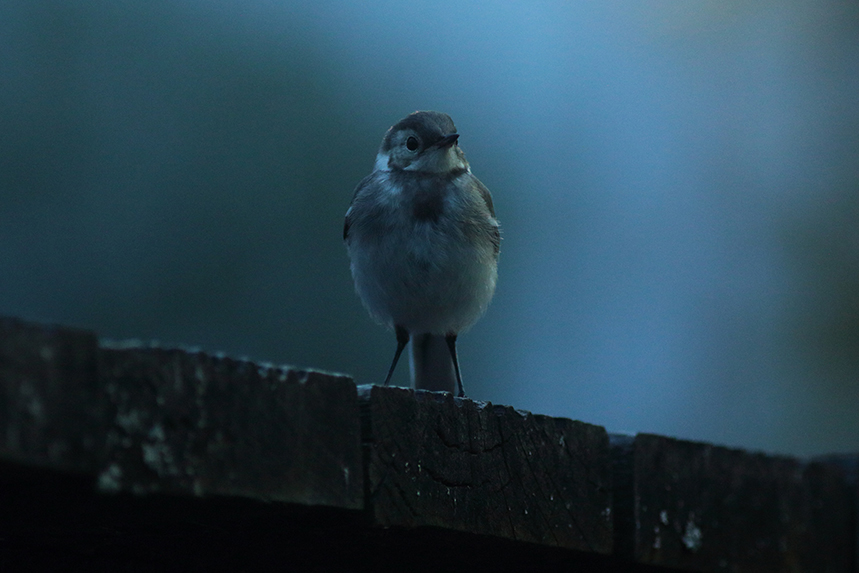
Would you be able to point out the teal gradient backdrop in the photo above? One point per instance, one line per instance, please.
(678, 185)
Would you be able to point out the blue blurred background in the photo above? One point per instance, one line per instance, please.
(678, 185)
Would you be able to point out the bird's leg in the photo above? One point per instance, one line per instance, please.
(451, 344)
(402, 340)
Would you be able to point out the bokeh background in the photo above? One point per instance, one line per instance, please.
(678, 184)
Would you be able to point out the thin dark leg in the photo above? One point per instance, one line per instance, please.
(402, 340)
(451, 344)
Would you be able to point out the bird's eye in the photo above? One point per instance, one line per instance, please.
(412, 143)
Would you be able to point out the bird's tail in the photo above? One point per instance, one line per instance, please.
(431, 364)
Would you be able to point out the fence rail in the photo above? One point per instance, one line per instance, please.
(125, 456)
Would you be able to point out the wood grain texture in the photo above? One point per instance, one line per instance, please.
(701, 507)
(50, 401)
(151, 420)
(195, 424)
(433, 460)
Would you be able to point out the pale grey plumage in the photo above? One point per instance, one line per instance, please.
(423, 242)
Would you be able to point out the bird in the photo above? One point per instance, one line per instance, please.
(423, 244)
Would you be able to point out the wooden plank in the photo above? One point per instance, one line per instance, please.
(149, 420)
(435, 460)
(50, 402)
(700, 507)
(195, 424)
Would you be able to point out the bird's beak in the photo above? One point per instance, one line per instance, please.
(447, 140)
